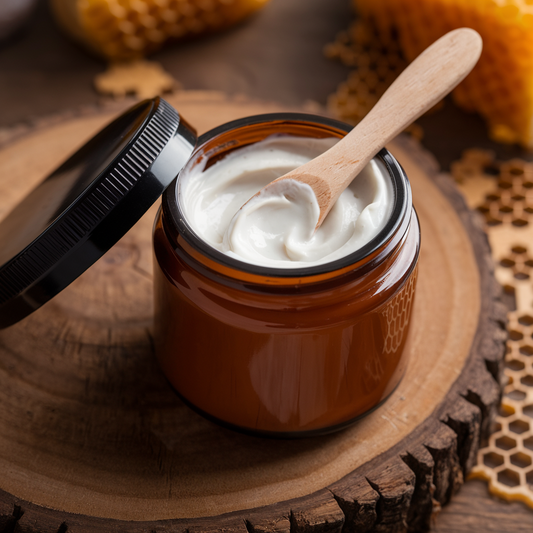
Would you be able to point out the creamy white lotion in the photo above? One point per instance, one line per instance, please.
(278, 229)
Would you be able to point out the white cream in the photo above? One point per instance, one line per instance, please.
(278, 230)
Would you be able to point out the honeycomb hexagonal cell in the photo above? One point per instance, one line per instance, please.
(525, 320)
(516, 394)
(519, 426)
(505, 443)
(509, 477)
(527, 380)
(515, 335)
(514, 364)
(519, 222)
(523, 460)
(526, 350)
(507, 263)
(493, 459)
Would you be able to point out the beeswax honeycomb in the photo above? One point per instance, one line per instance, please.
(130, 29)
(503, 192)
(500, 87)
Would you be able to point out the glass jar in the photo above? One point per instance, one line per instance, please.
(283, 352)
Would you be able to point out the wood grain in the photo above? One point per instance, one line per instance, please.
(473, 510)
(92, 436)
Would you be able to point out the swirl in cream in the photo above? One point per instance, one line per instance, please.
(277, 229)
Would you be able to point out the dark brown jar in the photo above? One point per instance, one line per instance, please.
(283, 352)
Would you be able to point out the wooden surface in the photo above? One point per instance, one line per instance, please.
(88, 424)
(472, 511)
(42, 74)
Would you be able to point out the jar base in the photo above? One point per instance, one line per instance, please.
(281, 434)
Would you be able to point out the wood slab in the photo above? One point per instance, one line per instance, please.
(93, 439)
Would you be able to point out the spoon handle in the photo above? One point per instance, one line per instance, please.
(432, 75)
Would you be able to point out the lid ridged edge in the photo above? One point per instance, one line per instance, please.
(85, 215)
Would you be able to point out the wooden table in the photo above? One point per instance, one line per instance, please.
(277, 55)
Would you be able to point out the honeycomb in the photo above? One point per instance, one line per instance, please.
(145, 79)
(130, 29)
(398, 315)
(502, 191)
(500, 87)
(395, 318)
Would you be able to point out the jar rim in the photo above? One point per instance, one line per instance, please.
(174, 215)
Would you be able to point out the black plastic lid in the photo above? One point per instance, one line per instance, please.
(85, 206)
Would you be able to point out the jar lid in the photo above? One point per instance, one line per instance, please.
(85, 206)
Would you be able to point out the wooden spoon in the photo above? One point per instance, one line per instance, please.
(430, 77)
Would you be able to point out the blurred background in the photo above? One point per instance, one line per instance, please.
(275, 54)
(273, 50)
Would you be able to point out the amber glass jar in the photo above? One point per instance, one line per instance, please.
(283, 352)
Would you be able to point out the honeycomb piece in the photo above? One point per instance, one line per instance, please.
(145, 79)
(500, 87)
(501, 190)
(397, 316)
(130, 29)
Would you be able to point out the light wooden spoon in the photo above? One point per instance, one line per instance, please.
(430, 77)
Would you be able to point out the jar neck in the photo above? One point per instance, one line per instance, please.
(363, 272)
